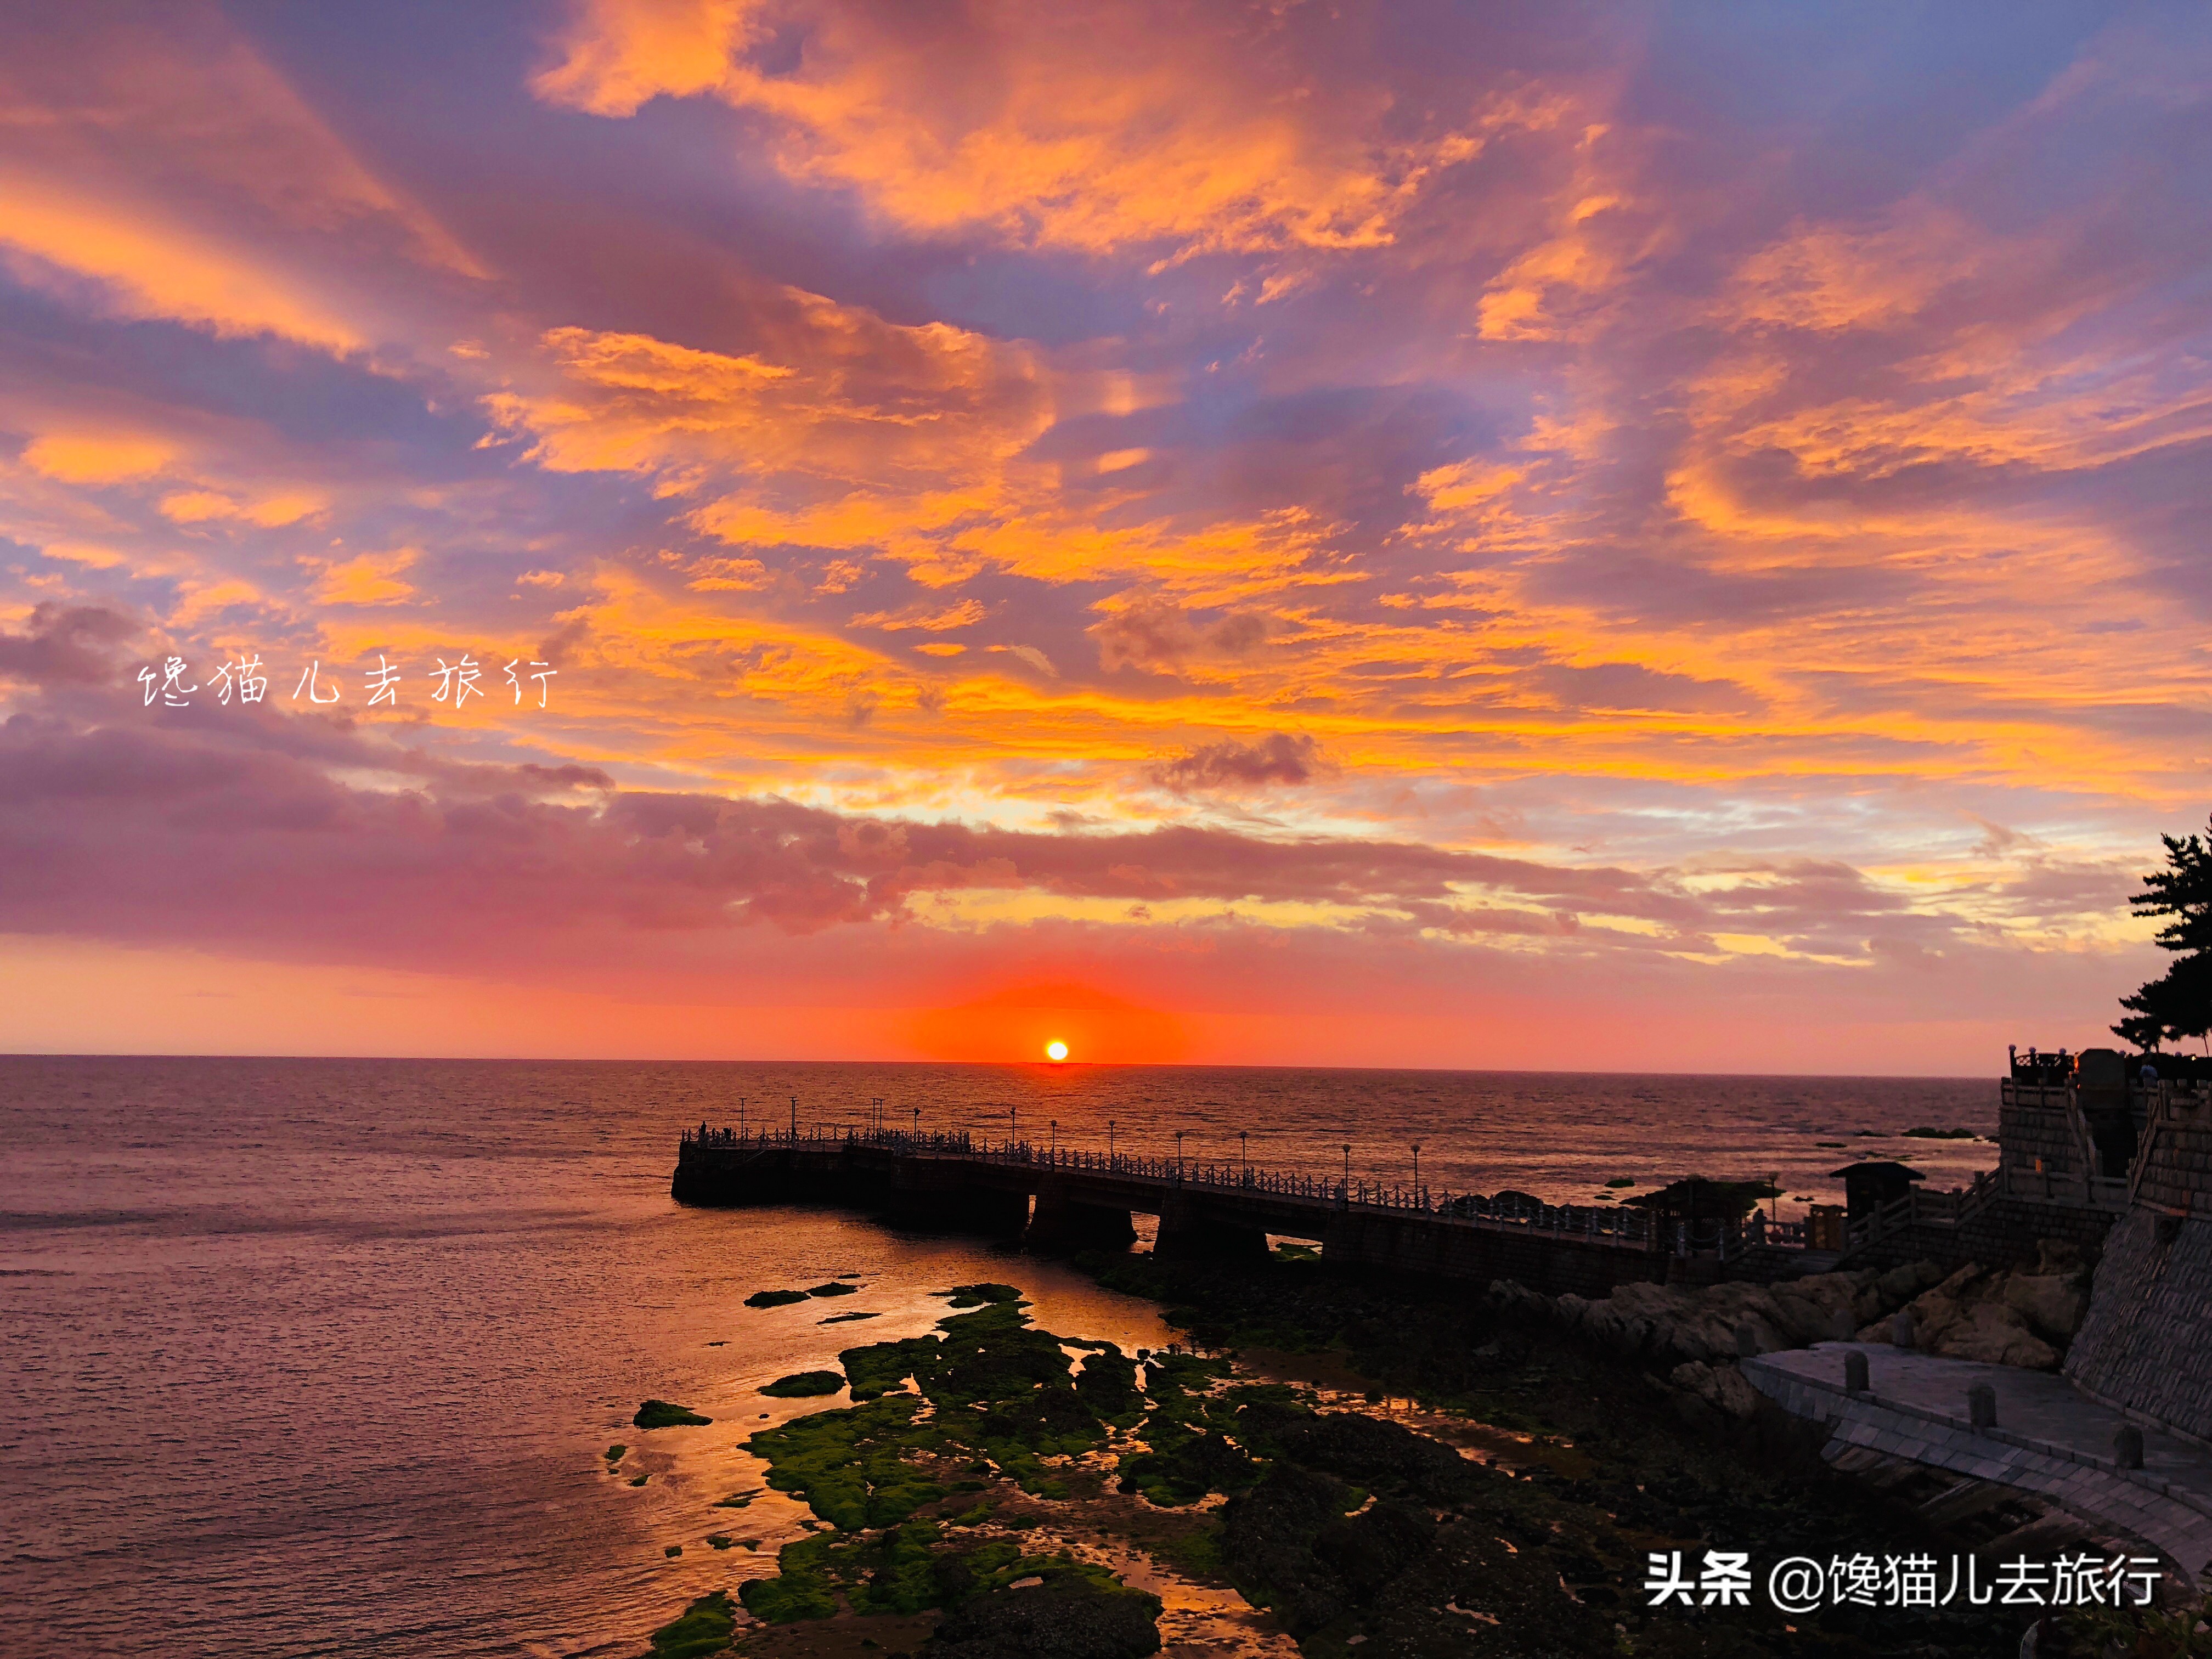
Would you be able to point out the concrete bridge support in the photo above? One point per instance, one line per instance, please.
(913, 1199)
(1061, 1225)
(1191, 1230)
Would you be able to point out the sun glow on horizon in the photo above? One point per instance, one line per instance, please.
(1055, 1051)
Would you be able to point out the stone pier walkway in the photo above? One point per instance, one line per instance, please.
(2047, 1439)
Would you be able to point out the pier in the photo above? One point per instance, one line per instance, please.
(1062, 1200)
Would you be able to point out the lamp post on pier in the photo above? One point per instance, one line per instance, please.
(794, 1117)
(1178, 1155)
(1055, 1137)
(917, 1123)
(1243, 1151)
(1417, 1172)
(1014, 1122)
(1109, 1143)
(1347, 1172)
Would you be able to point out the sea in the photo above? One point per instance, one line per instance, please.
(325, 1357)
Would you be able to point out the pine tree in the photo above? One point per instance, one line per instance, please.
(2178, 1005)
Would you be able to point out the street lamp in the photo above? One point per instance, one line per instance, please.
(1178, 1155)
(794, 1117)
(1055, 1137)
(1013, 1123)
(1347, 1172)
(1243, 1151)
(1109, 1142)
(1417, 1172)
(917, 1123)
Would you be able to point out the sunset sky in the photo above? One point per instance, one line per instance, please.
(1285, 532)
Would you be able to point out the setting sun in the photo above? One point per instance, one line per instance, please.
(1055, 1050)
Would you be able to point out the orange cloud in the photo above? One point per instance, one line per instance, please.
(369, 579)
(1088, 131)
(165, 160)
(97, 457)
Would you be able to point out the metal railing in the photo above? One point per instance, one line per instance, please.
(1620, 1227)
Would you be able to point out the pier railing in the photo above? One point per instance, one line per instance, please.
(1624, 1227)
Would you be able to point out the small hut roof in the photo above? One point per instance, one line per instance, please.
(1910, 1174)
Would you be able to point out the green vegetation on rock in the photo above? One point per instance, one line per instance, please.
(640, 1480)
(847, 1318)
(990, 1394)
(616, 1452)
(667, 1414)
(804, 1385)
(705, 1627)
(833, 1288)
(975, 1296)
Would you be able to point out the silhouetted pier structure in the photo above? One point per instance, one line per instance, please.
(1061, 1201)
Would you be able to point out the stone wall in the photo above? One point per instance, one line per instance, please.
(2038, 1132)
(2146, 1343)
(2003, 1231)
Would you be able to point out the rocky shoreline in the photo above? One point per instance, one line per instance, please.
(2023, 1314)
(1341, 1467)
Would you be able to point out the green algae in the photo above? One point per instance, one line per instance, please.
(804, 1385)
(739, 1500)
(721, 1540)
(852, 1466)
(705, 1627)
(640, 1481)
(774, 1298)
(672, 1551)
(975, 1296)
(667, 1414)
(905, 1569)
(616, 1452)
(847, 1318)
(833, 1288)
(989, 1392)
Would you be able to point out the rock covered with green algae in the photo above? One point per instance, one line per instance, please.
(705, 1627)
(667, 1414)
(988, 1392)
(804, 1385)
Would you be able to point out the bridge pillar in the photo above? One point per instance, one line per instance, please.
(931, 1199)
(1188, 1232)
(1062, 1225)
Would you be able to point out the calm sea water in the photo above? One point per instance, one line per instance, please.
(321, 1357)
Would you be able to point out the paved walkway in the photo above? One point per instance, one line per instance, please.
(2047, 1438)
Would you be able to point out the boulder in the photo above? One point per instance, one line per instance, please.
(1721, 1387)
(1996, 1335)
(2058, 1255)
(1885, 1294)
(2052, 1303)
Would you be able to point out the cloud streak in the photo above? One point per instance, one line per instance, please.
(1408, 486)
